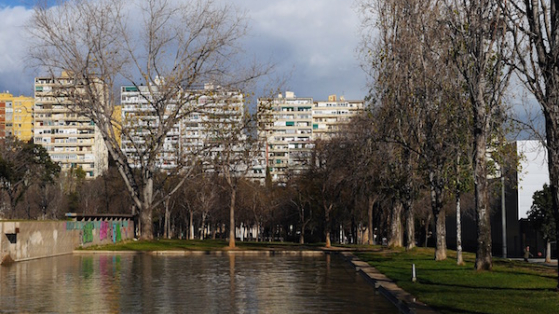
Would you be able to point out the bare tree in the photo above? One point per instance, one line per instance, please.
(168, 48)
(480, 51)
(420, 106)
(535, 28)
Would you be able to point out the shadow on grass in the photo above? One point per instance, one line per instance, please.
(447, 309)
(429, 282)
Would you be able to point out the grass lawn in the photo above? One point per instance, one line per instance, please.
(512, 286)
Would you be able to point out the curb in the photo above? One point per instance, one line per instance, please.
(405, 302)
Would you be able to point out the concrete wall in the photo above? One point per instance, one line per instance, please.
(23, 240)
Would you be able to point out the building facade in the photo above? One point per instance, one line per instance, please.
(285, 126)
(71, 139)
(289, 125)
(208, 128)
(16, 116)
(329, 116)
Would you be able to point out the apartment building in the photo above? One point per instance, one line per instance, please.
(285, 125)
(329, 116)
(3, 119)
(71, 139)
(209, 127)
(289, 125)
(16, 116)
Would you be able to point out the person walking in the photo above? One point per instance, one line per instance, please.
(527, 253)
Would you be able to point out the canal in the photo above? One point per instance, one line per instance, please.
(141, 283)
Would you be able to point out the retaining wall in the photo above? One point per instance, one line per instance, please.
(24, 240)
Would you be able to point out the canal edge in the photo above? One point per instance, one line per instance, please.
(404, 301)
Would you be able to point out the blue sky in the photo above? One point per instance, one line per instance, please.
(313, 42)
(12, 3)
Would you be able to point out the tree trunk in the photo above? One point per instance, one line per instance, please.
(327, 210)
(396, 237)
(552, 136)
(302, 235)
(191, 225)
(410, 224)
(483, 253)
(548, 251)
(371, 204)
(167, 220)
(459, 258)
(146, 223)
(232, 218)
(146, 210)
(439, 215)
(427, 224)
(440, 229)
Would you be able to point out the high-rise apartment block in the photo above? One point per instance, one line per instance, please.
(207, 116)
(329, 116)
(289, 125)
(16, 116)
(70, 138)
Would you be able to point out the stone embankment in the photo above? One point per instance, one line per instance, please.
(404, 301)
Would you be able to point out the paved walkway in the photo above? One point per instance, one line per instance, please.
(404, 301)
(540, 261)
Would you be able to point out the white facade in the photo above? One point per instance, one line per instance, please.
(533, 173)
(285, 125)
(208, 118)
(289, 125)
(329, 116)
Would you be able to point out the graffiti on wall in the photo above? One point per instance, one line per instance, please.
(102, 231)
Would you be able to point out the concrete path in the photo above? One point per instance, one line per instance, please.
(404, 301)
(540, 261)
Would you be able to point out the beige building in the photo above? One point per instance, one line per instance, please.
(329, 116)
(289, 125)
(71, 139)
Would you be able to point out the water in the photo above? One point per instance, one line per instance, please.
(139, 283)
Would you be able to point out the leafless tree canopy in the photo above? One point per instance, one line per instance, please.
(170, 49)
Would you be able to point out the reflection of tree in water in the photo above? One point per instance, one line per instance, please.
(232, 281)
(87, 267)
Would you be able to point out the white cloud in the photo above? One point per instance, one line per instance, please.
(316, 39)
(313, 40)
(12, 53)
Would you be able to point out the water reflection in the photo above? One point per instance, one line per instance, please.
(193, 284)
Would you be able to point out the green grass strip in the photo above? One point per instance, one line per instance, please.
(512, 286)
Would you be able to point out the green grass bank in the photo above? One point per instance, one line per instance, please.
(512, 286)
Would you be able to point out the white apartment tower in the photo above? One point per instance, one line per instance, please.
(208, 115)
(71, 139)
(329, 116)
(289, 125)
(285, 125)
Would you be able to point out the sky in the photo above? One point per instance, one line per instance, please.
(313, 43)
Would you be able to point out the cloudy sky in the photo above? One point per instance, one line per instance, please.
(313, 43)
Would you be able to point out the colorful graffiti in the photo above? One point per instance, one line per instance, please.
(101, 231)
(88, 232)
